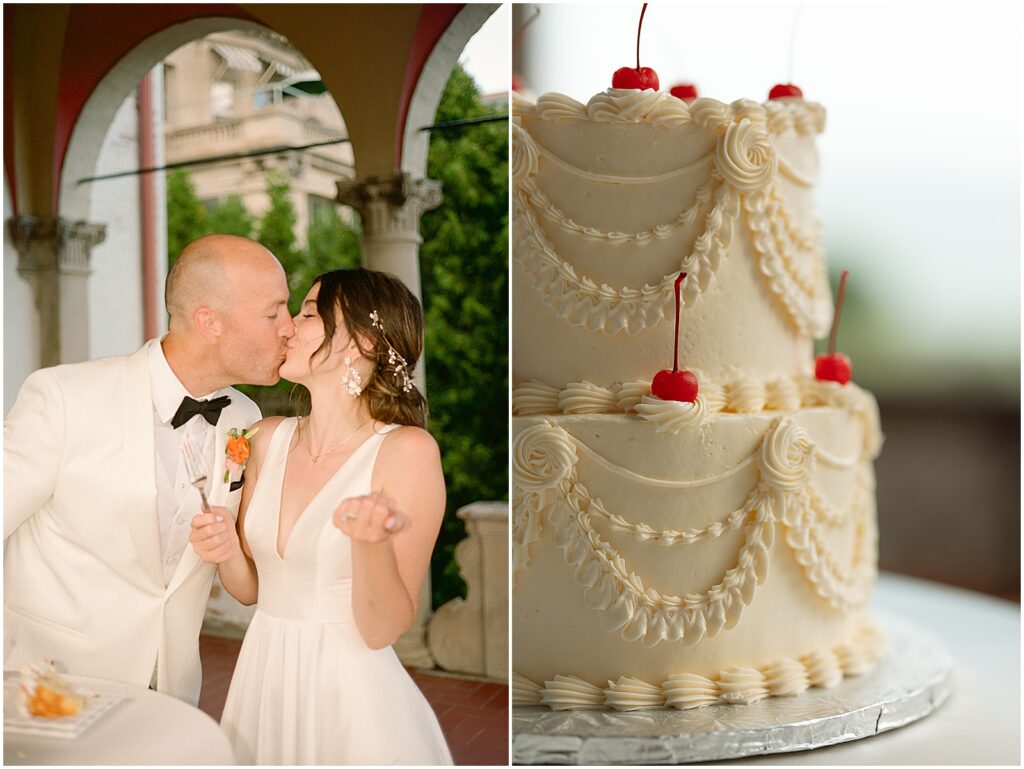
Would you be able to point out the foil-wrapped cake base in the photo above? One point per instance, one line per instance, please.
(911, 681)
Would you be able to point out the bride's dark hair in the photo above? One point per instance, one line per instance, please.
(359, 294)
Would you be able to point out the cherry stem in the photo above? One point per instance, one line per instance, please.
(839, 310)
(638, 28)
(675, 357)
(517, 38)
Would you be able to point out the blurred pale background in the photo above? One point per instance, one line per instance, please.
(919, 197)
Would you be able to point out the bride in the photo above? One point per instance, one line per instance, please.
(339, 514)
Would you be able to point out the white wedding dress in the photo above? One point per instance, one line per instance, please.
(306, 688)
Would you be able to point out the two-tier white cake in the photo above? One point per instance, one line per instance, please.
(667, 553)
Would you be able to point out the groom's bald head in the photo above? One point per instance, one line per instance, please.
(209, 271)
(228, 301)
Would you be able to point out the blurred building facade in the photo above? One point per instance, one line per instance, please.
(232, 94)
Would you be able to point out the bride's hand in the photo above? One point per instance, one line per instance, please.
(213, 536)
(369, 518)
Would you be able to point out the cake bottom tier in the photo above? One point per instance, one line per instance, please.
(727, 561)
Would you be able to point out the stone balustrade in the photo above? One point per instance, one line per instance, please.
(470, 635)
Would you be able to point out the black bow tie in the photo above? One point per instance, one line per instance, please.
(190, 407)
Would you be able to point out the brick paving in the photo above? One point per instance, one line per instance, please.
(473, 712)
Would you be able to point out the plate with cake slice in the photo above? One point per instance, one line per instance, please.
(40, 701)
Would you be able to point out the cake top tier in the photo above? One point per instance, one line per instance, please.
(612, 199)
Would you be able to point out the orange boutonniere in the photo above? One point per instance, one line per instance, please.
(238, 449)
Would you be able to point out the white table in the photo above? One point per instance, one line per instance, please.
(146, 727)
(980, 723)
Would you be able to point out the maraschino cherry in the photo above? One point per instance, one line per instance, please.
(834, 366)
(785, 91)
(675, 385)
(685, 91)
(636, 77)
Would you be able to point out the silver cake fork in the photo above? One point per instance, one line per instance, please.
(196, 474)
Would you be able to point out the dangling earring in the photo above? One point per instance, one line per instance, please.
(351, 380)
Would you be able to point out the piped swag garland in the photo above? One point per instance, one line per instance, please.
(548, 492)
(742, 183)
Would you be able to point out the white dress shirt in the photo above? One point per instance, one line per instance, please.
(177, 500)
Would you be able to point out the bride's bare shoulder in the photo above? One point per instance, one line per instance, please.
(409, 445)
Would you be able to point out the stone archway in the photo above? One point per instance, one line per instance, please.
(119, 279)
(103, 102)
(431, 84)
(391, 207)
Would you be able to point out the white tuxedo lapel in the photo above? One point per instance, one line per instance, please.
(139, 471)
(215, 461)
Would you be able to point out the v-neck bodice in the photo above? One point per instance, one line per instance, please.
(312, 582)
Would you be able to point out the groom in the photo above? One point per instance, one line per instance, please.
(97, 500)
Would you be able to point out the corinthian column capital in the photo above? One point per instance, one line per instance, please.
(391, 206)
(47, 244)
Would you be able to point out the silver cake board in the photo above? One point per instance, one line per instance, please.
(911, 680)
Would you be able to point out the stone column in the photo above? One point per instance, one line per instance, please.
(390, 208)
(53, 256)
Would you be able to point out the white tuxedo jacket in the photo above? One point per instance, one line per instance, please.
(83, 581)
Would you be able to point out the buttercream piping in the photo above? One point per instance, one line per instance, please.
(633, 694)
(786, 677)
(823, 669)
(545, 482)
(581, 302)
(541, 150)
(795, 176)
(524, 691)
(782, 394)
(735, 685)
(642, 532)
(853, 659)
(745, 395)
(807, 305)
(535, 398)
(660, 482)
(742, 685)
(639, 612)
(741, 395)
(660, 108)
(586, 398)
(672, 416)
(572, 693)
(686, 691)
(845, 589)
(826, 513)
(542, 203)
(747, 163)
(629, 395)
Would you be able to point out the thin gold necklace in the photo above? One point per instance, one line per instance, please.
(316, 457)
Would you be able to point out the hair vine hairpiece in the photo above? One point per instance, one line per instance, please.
(395, 360)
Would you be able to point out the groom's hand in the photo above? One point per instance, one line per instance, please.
(213, 536)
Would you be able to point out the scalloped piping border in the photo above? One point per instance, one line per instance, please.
(803, 117)
(822, 669)
(743, 395)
